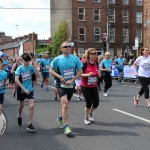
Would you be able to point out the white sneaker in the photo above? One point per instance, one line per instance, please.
(105, 94)
(91, 118)
(87, 122)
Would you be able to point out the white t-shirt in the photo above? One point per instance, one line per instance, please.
(144, 66)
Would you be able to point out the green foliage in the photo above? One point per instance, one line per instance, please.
(58, 38)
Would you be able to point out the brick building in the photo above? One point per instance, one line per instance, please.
(4, 38)
(87, 21)
(11, 48)
(146, 23)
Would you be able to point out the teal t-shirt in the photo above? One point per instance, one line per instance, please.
(26, 76)
(120, 62)
(3, 78)
(5, 64)
(67, 65)
(46, 64)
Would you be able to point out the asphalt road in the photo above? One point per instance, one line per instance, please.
(119, 125)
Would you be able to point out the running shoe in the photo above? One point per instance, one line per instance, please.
(56, 98)
(86, 121)
(19, 120)
(148, 108)
(14, 94)
(79, 99)
(91, 117)
(136, 101)
(67, 130)
(41, 85)
(31, 128)
(105, 94)
(47, 89)
(60, 122)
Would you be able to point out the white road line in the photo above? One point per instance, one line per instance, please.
(134, 116)
(54, 88)
(128, 86)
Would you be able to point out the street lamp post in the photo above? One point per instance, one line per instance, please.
(107, 41)
(18, 39)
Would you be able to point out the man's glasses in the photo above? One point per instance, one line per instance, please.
(93, 53)
(66, 47)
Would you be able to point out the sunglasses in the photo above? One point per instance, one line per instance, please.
(66, 47)
(93, 53)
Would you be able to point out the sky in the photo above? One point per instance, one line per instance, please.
(28, 20)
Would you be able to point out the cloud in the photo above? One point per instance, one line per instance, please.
(23, 15)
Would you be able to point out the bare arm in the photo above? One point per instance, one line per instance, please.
(101, 69)
(134, 67)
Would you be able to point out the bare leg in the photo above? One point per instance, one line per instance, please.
(31, 110)
(20, 108)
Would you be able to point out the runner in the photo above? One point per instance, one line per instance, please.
(66, 64)
(5, 64)
(106, 67)
(89, 84)
(3, 78)
(45, 65)
(144, 75)
(120, 64)
(9, 73)
(16, 64)
(23, 78)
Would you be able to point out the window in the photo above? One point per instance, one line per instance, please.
(139, 2)
(119, 51)
(111, 1)
(111, 51)
(81, 34)
(81, 14)
(139, 35)
(97, 15)
(125, 16)
(97, 33)
(81, 52)
(138, 17)
(112, 16)
(125, 35)
(97, 1)
(125, 2)
(111, 35)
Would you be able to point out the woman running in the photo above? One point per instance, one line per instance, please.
(14, 68)
(106, 67)
(144, 75)
(89, 84)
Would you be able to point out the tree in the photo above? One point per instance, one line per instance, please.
(58, 38)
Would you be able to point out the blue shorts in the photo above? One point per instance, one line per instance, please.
(45, 74)
(23, 96)
(1, 98)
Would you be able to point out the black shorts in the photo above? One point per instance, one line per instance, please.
(1, 98)
(120, 70)
(23, 96)
(65, 91)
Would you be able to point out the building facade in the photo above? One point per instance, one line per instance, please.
(146, 23)
(4, 38)
(89, 25)
(11, 48)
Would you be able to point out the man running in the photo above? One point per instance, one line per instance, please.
(120, 64)
(23, 78)
(67, 65)
(45, 65)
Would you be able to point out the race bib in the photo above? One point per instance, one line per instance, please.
(92, 80)
(120, 63)
(2, 84)
(3, 123)
(68, 74)
(26, 76)
(47, 67)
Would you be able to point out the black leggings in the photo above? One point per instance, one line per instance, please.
(91, 96)
(144, 89)
(10, 78)
(108, 82)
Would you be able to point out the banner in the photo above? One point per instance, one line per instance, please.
(128, 72)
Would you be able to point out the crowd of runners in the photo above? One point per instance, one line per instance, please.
(70, 74)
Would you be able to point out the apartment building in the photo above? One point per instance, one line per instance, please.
(87, 22)
(146, 23)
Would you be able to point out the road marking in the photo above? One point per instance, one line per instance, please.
(128, 86)
(134, 116)
(54, 88)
